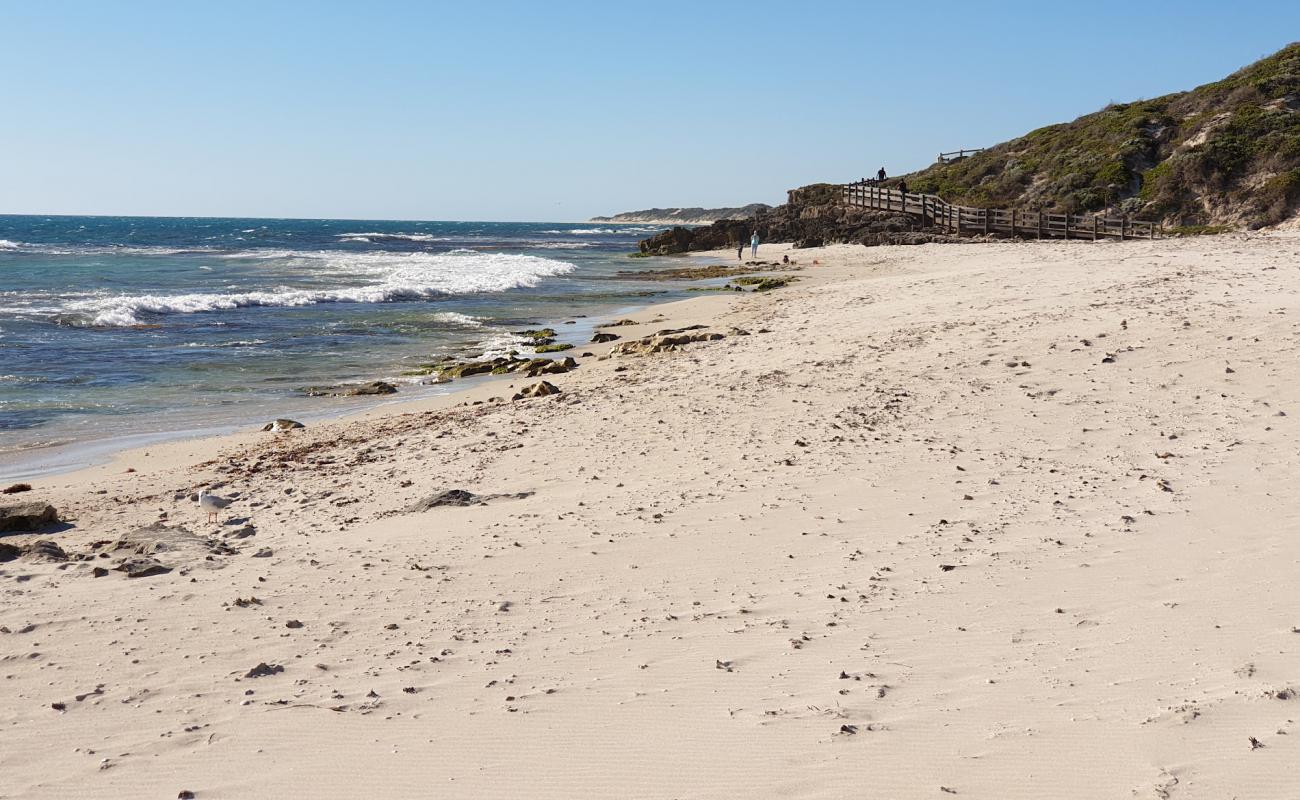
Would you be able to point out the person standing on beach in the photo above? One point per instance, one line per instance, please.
(753, 245)
(740, 249)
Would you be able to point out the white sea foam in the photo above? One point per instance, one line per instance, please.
(590, 231)
(5, 244)
(410, 237)
(392, 277)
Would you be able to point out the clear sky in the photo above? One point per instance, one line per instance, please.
(555, 110)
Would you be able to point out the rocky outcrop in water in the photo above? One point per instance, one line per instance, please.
(813, 217)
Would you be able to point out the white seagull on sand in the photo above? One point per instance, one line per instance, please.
(212, 504)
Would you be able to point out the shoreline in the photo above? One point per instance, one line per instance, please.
(62, 458)
(929, 519)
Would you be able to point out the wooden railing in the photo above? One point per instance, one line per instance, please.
(944, 158)
(963, 220)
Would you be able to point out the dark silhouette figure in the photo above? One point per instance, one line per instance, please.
(740, 250)
(880, 174)
(902, 186)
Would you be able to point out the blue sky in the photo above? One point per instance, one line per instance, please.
(554, 111)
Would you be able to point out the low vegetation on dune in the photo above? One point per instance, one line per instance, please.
(1227, 153)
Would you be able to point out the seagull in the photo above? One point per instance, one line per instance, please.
(212, 504)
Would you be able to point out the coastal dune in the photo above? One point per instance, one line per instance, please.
(996, 520)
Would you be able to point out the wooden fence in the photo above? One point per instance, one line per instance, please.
(957, 155)
(964, 220)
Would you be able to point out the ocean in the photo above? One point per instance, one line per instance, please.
(117, 331)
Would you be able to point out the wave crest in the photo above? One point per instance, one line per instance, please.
(396, 277)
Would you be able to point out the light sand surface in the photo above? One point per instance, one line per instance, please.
(1008, 520)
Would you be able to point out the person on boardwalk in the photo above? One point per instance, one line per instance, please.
(880, 175)
(753, 245)
(902, 186)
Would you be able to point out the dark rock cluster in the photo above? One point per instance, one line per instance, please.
(813, 217)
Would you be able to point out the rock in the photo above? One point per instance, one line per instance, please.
(664, 341)
(737, 332)
(552, 348)
(451, 497)
(293, 623)
(177, 542)
(351, 389)
(460, 498)
(812, 217)
(539, 336)
(185, 794)
(619, 323)
(242, 532)
(8, 552)
(263, 670)
(45, 550)
(141, 567)
(16, 488)
(602, 338)
(282, 425)
(540, 389)
(265, 552)
(27, 516)
(99, 572)
(547, 366)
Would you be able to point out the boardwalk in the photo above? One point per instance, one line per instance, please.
(964, 220)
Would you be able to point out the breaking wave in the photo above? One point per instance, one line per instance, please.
(389, 277)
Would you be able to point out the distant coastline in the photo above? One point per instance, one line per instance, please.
(682, 216)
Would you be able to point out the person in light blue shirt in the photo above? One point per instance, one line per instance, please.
(753, 245)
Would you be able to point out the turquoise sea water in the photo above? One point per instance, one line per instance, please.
(116, 329)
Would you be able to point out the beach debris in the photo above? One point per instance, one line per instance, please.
(212, 504)
(461, 498)
(723, 665)
(16, 488)
(282, 424)
(264, 669)
(142, 567)
(540, 389)
(350, 389)
(293, 624)
(185, 794)
(1255, 744)
(265, 552)
(27, 516)
(602, 338)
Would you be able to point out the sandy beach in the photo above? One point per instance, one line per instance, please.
(992, 520)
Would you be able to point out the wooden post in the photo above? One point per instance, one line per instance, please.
(1123, 227)
(1040, 225)
(1067, 226)
(986, 220)
(1013, 223)
(1094, 227)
